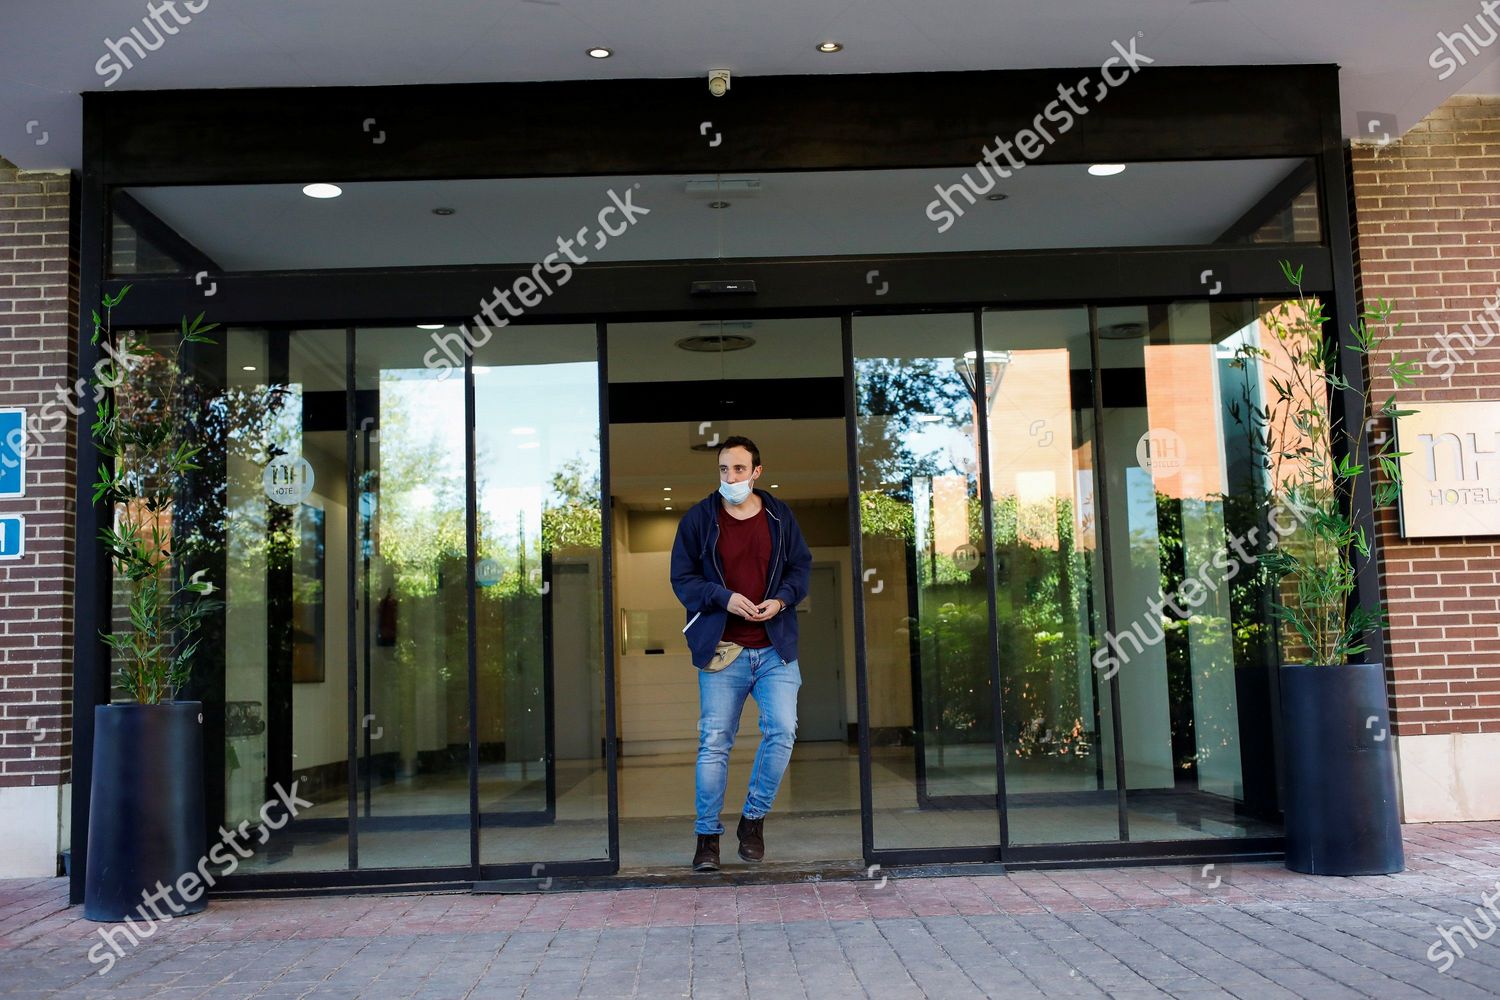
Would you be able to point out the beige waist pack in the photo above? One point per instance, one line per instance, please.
(725, 653)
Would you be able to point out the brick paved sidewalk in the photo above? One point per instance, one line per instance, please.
(1248, 930)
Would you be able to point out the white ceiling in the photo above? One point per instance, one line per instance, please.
(250, 227)
(49, 48)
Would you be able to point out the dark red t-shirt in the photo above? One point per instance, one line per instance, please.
(745, 553)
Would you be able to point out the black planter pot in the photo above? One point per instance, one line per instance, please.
(1341, 815)
(145, 809)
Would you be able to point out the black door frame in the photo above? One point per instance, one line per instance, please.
(650, 126)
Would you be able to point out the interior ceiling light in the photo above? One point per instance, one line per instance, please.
(1107, 169)
(322, 190)
(830, 46)
(429, 326)
(996, 196)
(247, 368)
(718, 204)
(599, 52)
(442, 211)
(1122, 331)
(713, 343)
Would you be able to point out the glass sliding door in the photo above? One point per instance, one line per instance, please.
(365, 612)
(410, 572)
(275, 454)
(539, 611)
(1194, 640)
(927, 635)
(1060, 783)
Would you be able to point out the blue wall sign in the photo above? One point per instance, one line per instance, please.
(12, 453)
(12, 536)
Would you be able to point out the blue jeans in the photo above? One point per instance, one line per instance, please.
(773, 683)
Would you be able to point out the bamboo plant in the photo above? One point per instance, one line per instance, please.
(1311, 452)
(144, 433)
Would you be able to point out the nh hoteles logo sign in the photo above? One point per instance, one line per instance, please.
(1451, 473)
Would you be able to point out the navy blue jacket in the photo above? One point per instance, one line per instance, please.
(698, 579)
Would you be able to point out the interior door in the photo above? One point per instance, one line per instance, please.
(820, 703)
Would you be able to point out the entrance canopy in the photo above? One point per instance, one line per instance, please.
(1397, 66)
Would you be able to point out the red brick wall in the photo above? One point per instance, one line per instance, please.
(1427, 220)
(38, 282)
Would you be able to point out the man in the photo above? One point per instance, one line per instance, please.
(739, 567)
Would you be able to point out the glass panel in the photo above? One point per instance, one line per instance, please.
(539, 571)
(927, 620)
(257, 227)
(283, 526)
(411, 609)
(1194, 639)
(1060, 783)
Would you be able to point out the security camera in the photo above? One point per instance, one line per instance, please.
(718, 82)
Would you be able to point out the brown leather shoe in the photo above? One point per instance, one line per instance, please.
(752, 838)
(706, 858)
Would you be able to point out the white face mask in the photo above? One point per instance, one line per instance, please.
(735, 493)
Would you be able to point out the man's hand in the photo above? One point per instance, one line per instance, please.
(742, 606)
(766, 610)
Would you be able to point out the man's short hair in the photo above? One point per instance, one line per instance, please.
(740, 441)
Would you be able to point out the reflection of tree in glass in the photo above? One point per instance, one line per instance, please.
(893, 396)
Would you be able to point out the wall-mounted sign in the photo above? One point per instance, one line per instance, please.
(12, 453)
(1450, 480)
(12, 536)
(288, 479)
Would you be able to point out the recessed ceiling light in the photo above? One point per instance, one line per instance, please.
(322, 190)
(718, 204)
(830, 46)
(441, 210)
(996, 196)
(247, 368)
(775, 486)
(600, 52)
(715, 343)
(666, 489)
(666, 508)
(429, 326)
(1107, 169)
